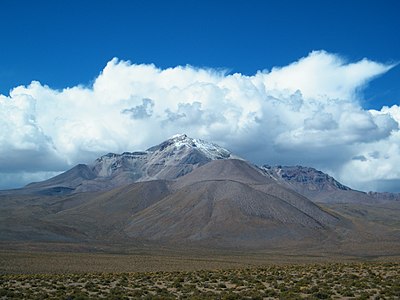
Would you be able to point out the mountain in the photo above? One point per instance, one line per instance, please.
(305, 177)
(322, 188)
(181, 155)
(171, 159)
(385, 196)
(187, 191)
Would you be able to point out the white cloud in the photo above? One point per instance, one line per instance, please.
(305, 113)
(379, 167)
(322, 75)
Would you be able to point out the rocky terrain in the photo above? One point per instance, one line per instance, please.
(320, 187)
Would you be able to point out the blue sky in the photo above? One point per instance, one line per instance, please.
(65, 43)
(312, 83)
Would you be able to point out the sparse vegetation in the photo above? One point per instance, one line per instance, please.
(298, 281)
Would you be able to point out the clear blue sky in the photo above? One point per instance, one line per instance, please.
(64, 43)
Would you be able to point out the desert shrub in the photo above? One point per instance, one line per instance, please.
(222, 285)
(230, 296)
(270, 293)
(177, 284)
(4, 292)
(363, 296)
(78, 296)
(322, 295)
(289, 296)
(254, 295)
(348, 293)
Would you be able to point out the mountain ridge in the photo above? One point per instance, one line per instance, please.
(180, 155)
(190, 192)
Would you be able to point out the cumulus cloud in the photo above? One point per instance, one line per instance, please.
(378, 170)
(321, 75)
(307, 113)
(143, 111)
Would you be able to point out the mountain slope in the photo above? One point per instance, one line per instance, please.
(218, 204)
(104, 215)
(63, 183)
(230, 169)
(320, 187)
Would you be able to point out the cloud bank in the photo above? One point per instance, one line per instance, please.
(307, 113)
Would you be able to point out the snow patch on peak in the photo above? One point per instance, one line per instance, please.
(211, 150)
(178, 136)
(180, 141)
(171, 159)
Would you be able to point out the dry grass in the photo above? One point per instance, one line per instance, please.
(306, 281)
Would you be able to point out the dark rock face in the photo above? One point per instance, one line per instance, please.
(320, 187)
(309, 178)
(385, 196)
